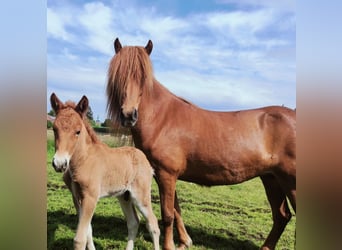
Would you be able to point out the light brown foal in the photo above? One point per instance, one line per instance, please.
(93, 170)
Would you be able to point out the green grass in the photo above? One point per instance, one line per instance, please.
(224, 217)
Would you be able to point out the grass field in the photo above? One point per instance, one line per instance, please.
(224, 217)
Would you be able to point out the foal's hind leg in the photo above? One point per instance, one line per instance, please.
(131, 219)
(141, 195)
(280, 210)
(151, 222)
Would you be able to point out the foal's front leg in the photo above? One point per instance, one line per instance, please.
(86, 212)
(72, 186)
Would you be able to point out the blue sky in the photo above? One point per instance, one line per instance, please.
(218, 54)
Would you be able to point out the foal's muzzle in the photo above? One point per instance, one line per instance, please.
(129, 119)
(60, 165)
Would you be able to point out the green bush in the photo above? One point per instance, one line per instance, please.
(106, 130)
(49, 124)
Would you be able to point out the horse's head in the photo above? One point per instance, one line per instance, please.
(68, 128)
(130, 75)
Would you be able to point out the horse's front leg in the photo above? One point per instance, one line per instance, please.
(167, 187)
(86, 212)
(184, 238)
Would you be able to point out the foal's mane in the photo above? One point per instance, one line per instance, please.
(90, 130)
(130, 64)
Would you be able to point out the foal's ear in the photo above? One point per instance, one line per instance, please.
(82, 106)
(56, 104)
(117, 45)
(149, 47)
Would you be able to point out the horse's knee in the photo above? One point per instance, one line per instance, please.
(168, 220)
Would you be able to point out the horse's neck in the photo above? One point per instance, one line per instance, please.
(153, 110)
(153, 103)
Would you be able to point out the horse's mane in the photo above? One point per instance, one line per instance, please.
(90, 130)
(130, 64)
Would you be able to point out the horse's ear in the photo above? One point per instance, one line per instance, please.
(117, 45)
(56, 104)
(149, 47)
(82, 106)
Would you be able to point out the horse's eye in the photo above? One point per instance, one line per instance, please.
(78, 133)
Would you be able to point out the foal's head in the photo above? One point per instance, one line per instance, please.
(68, 128)
(130, 74)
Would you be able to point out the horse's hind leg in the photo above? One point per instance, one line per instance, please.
(184, 238)
(131, 219)
(280, 210)
(288, 182)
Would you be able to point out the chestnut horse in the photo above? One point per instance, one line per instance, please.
(183, 141)
(93, 170)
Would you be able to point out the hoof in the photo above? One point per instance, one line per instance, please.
(183, 246)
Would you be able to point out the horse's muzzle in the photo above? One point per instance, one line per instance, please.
(129, 119)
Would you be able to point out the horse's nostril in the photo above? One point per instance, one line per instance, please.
(135, 114)
(128, 119)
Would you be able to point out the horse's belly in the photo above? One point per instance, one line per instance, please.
(211, 175)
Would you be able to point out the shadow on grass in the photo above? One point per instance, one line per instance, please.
(201, 238)
(105, 227)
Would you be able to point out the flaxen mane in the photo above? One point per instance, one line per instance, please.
(131, 64)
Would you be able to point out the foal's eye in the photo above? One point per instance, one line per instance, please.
(78, 133)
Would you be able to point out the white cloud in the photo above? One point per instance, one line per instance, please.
(56, 23)
(97, 19)
(251, 20)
